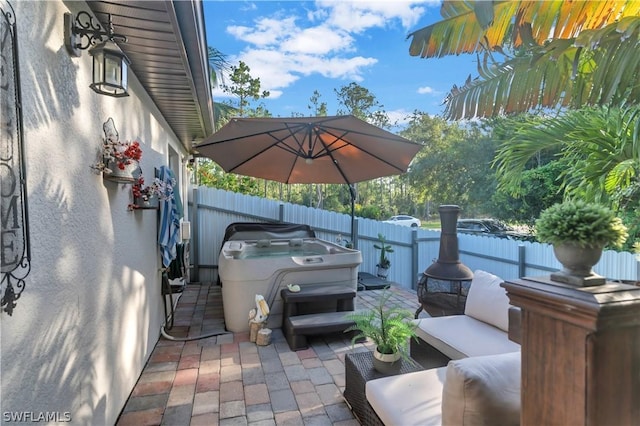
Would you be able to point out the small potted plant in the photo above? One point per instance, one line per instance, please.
(383, 262)
(119, 160)
(578, 232)
(390, 328)
(148, 196)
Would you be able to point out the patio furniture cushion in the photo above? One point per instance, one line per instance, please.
(408, 399)
(482, 391)
(487, 301)
(461, 336)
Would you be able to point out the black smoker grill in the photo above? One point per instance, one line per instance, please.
(443, 287)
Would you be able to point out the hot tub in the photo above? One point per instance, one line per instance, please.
(266, 266)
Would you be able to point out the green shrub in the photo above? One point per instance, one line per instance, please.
(584, 224)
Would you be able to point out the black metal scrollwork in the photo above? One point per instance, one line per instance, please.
(90, 32)
(15, 262)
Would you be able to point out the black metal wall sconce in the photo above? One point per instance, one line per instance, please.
(110, 64)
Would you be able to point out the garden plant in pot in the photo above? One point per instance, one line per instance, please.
(390, 328)
(148, 196)
(119, 160)
(579, 231)
(383, 263)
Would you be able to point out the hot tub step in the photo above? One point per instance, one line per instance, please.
(310, 298)
(297, 328)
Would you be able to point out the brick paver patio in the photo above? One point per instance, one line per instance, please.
(227, 380)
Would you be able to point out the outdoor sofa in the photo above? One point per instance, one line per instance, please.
(480, 385)
(482, 330)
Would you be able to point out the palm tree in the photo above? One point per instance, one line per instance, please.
(599, 148)
(218, 65)
(538, 54)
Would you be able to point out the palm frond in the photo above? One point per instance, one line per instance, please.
(561, 54)
(468, 23)
(463, 29)
(218, 65)
(601, 68)
(222, 113)
(597, 146)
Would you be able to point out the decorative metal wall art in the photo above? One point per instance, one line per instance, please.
(15, 262)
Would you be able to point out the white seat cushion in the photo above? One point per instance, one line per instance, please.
(460, 336)
(408, 399)
(487, 301)
(482, 391)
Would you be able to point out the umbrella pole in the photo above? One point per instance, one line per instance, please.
(353, 218)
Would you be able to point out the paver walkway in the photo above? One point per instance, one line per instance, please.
(227, 380)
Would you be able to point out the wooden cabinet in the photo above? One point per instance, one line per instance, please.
(580, 352)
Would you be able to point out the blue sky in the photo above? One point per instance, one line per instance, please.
(296, 47)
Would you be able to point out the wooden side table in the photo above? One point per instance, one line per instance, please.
(358, 371)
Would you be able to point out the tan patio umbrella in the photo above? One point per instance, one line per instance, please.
(338, 149)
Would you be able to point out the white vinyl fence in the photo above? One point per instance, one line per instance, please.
(414, 249)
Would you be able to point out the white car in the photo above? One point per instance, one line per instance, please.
(404, 220)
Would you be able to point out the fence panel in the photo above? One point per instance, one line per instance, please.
(414, 249)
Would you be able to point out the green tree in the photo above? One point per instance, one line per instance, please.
(538, 54)
(360, 102)
(540, 189)
(210, 174)
(432, 170)
(244, 87)
(317, 108)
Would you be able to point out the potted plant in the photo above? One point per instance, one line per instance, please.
(148, 196)
(119, 160)
(578, 232)
(389, 327)
(383, 262)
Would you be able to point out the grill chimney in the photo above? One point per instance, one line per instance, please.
(444, 285)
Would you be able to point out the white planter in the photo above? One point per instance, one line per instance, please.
(387, 364)
(382, 272)
(126, 175)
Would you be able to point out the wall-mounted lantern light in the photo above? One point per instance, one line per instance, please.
(110, 65)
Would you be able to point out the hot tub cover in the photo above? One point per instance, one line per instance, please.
(266, 231)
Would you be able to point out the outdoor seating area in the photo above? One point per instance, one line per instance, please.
(473, 371)
(321, 378)
(227, 379)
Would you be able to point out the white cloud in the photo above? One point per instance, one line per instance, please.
(278, 70)
(283, 48)
(320, 40)
(358, 16)
(266, 32)
(426, 90)
(399, 117)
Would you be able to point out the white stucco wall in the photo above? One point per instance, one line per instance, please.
(91, 311)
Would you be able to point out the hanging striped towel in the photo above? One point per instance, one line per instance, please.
(170, 213)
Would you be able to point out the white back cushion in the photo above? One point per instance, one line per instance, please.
(483, 390)
(487, 301)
